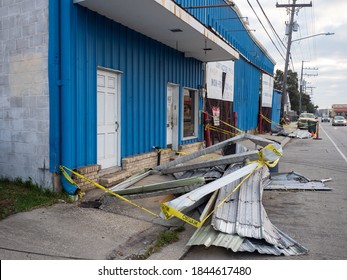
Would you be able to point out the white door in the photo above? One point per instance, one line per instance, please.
(172, 116)
(108, 122)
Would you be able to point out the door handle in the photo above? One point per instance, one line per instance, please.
(117, 126)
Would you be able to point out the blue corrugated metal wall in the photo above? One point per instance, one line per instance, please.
(250, 65)
(246, 94)
(219, 19)
(276, 108)
(147, 65)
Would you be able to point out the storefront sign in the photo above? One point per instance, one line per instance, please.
(220, 80)
(267, 90)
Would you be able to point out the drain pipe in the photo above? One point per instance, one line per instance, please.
(67, 107)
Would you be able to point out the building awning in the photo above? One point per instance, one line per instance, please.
(168, 23)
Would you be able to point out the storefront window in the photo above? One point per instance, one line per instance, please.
(190, 113)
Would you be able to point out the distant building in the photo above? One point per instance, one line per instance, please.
(339, 110)
(323, 112)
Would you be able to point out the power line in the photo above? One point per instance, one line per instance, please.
(273, 29)
(265, 29)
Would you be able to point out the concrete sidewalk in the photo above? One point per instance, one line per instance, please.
(70, 231)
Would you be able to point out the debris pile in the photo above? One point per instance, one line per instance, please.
(278, 130)
(228, 192)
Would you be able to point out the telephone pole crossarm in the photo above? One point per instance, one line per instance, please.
(293, 5)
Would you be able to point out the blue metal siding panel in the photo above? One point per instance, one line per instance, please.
(247, 73)
(68, 133)
(80, 97)
(246, 94)
(276, 108)
(147, 66)
(215, 17)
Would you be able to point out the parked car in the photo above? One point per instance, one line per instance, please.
(304, 119)
(339, 120)
(325, 119)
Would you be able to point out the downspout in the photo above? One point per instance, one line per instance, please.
(66, 108)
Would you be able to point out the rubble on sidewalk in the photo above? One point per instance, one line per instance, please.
(295, 181)
(278, 130)
(301, 134)
(228, 193)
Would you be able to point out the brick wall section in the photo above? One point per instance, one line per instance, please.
(139, 163)
(24, 98)
(130, 166)
(91, 172)
(191, 148)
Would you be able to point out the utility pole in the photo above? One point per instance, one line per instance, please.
(302, 82)
(289, 43)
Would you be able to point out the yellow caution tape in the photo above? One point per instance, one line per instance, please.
(170, 212)
(64, 168)
(269, 163)
(268, 120)
(218, 129)
(227, 124)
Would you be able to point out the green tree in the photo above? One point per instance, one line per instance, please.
(293, 92)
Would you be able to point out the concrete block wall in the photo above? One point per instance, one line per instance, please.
(24, 101)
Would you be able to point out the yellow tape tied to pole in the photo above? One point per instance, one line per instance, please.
(67, 176)
(227, 124)
(168, 211)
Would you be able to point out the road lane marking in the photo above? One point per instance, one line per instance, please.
(337, 148)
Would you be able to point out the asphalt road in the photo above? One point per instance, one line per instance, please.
(315, 219)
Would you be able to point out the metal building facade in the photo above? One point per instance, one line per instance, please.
(89, 41)
(254, 59)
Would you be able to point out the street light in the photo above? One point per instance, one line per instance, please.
(302, 65)
(327, 33)
(286, 63)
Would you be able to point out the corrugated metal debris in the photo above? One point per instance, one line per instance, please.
(298, 133)
(241, 224)
(295, 181)
(228, 190)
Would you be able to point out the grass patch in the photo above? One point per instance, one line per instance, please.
(164, 239)
(18, 196)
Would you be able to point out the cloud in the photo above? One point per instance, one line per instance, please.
(327, 53)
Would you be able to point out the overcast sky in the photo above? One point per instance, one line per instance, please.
(327, 53)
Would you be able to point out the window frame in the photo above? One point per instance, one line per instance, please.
(196, 114)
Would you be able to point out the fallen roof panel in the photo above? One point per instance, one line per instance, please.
(250, 155)
(243, 214)
(295, 181)
(208, 236)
